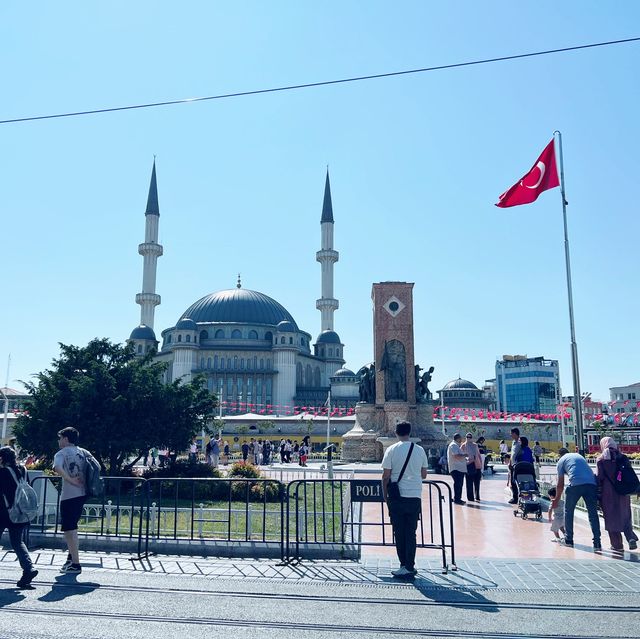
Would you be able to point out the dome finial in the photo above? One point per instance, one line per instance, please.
(239, 284)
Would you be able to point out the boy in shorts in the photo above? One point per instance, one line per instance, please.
(70, 463)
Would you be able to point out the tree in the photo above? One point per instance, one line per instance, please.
(117, 401)
(265, 427)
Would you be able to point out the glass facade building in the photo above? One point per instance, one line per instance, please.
(527, 384)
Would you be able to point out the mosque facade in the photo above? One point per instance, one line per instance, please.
(250, 349)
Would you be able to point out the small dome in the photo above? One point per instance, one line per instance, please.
(343, 372)
(328, 337)
(186, 324)
(143, 332)
(285, 327)
(460, 384)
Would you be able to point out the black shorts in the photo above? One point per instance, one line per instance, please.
(70, 512)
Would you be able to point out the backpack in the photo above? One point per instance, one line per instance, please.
(626, 481)
(93, 482)
(25, 501)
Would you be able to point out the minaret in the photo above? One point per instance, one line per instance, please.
(327, 258)
(150, 251)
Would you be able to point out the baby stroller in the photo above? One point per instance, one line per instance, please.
(524, 474)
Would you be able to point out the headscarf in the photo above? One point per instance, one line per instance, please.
(608, 444)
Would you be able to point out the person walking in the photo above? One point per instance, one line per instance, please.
(406, 464)
(474, 467)
(537, 452)
(266, 452)
(457, 462)
(70, 463)
(10, 473)
(616, 508)
(582, 485)
(504, 450)
(227, 452)
(526, 454)
(245, 451)
(513, 460)
(214, 454)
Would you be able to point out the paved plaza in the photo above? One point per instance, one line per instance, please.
(511, 581)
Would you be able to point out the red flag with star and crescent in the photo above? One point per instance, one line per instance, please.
(542, 177)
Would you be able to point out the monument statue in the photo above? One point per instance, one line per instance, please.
(422, 384)
(394, 366)
(367, 383)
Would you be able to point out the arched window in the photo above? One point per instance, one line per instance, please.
(261, 363)
(179, 338)
(228, 362)
(299, 379)
(308, 376)
(269, 364)
(269, 335)
(139, 348)
(235, 362)
(249, 362)
(322, 352)
(188, 338)
(202, 362)
(221, 362)
(169, 338)
(219, 334)
(255, 362)
(282, 340)
(236, 334)
(208, 362)
(253, 334)
(204, 335)
(215, 361)
(330, 352)
(242, 363)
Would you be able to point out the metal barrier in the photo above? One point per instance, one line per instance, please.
(175, 510)
(344, 521)
(340, 514)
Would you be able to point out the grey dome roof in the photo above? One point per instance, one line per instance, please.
(143, 332)
(460, 383)
(344, 372)
(328, 337)
(186, 324)
(239, 305)
(286, 327)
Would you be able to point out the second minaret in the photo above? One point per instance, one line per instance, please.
(327, 257)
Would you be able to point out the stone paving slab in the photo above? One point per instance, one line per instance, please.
(483, 575)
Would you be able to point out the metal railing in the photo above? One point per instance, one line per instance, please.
(344, 523)
(301, 515)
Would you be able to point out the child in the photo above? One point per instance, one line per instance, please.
(558, 516)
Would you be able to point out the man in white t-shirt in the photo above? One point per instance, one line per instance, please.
(405, 511)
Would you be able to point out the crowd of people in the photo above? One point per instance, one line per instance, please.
(263, 453)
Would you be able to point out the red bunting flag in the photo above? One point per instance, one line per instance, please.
(542, 176)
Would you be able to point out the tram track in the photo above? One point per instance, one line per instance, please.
(296, 627)
(463, 599)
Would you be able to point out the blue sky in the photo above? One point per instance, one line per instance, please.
(416, 165)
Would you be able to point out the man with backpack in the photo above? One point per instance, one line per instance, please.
(18, 505)
(70, 462)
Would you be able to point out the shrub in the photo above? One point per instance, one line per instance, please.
(241, 469)
(203, 490)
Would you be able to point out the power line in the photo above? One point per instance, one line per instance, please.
(309, 85)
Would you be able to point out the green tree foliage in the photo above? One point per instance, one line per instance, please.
(118, 402)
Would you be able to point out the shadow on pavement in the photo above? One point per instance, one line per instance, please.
(10, 596)
(68, 586)
(457, 598)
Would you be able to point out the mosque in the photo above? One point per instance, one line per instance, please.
(247, 345)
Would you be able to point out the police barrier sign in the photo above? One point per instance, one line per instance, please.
(366, 490)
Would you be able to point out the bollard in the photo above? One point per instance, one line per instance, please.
(108, 508)
(154, 513)
(201, 521)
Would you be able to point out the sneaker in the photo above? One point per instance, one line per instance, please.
(566, 542)
(27, 578)
(71, 569)
(459, 502)
(402, 572)
(633, 545)
(597, 545)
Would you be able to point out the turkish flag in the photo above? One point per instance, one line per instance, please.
(542, 176)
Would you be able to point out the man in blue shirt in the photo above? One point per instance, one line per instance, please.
(582, 484)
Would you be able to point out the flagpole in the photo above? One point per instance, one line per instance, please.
(577, 395)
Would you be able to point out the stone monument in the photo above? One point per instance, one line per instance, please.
(392, 388)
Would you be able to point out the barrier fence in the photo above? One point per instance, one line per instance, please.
(319, 516)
